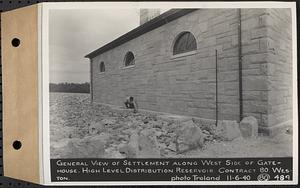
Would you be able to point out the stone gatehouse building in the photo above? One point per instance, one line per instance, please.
(173, 62)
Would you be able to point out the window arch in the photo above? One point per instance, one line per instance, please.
(102, 67)
(184, 42)
(129, 59)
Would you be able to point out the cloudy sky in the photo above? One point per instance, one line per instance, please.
(75, 33)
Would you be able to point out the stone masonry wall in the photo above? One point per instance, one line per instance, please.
(279, 73)
(267, 66)
(183, 84)
(254, 64)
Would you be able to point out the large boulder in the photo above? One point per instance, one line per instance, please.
(228, 130)
(113, 152)
(148, 145)
(88, 147)
(142, 145)
(59, 148)
(189, 136)
(249, 127)
(131, 149)
(105, 137)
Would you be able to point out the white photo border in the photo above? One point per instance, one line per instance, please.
(43, 22)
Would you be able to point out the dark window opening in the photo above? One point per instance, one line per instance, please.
(102, 67)
(185, 42)
(129, 59)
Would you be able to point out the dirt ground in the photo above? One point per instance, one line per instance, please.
(73, 116)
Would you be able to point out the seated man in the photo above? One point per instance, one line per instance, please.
(131, 103)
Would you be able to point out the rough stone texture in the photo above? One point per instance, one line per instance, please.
(267, 67)
(129, 123)
(185, 84)
(228, 130)
(58, 148)
(174, 118)
(96, 127)
(255, 91)
(189, 136)
(108, 121)
(148, 145)
(131, 150)
(58, 133)
(249, 127)
(89, 147)
(279, 70)
(142, 145)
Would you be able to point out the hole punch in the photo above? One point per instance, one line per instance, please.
(17, 145)
(15, 42)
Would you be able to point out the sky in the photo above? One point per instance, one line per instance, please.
(75, 33)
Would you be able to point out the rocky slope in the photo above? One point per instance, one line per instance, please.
(79, 129)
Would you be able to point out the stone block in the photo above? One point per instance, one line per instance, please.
(229, 116)
(256, 107)
(257, 83)
(251, 60)
(148, 144)
(220, 28)
(249, 127)
(227, 99)
(249, 23)
(253, 95)
(211, 41)
(252, 47)
(228, 76)
(131, 149)
(142, 145)
(259, 33)
(57, 148)
(224, 40)
(88, 147)
(264, 20)
(263, 44)
(228, 108)
(189, 136)
(228, 130)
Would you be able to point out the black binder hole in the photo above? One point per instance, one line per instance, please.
(15, 42)
(17, 145)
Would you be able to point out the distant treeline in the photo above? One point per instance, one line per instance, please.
(70, 87)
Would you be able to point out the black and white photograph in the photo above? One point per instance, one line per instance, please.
(168, 83)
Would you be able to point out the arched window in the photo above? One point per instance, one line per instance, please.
(129, 59)
(102, 67)
(185, 42)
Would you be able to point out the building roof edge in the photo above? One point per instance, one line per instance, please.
(140, 30)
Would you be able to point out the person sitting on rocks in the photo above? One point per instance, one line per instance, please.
(131, 103)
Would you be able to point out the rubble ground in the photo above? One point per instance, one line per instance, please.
(81, 129)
